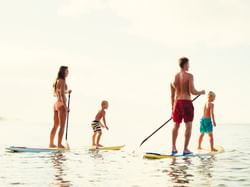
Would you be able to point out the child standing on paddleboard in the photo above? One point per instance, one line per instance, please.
(97, 125)
(206, 124)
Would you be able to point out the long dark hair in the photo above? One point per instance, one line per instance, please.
(60, 75)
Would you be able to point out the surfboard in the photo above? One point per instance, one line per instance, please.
(114, 148)
(33, 150)
(200, 152)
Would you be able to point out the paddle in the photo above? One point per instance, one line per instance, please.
(162, 126)
(67, 123)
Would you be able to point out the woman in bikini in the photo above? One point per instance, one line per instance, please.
(60, 107)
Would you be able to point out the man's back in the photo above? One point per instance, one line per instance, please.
(182, 85)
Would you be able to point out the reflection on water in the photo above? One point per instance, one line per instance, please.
(205, 170)
(178, 171)
(206, 166)
(95, 154)
(81, 167)
(58, 161)
(186, 171)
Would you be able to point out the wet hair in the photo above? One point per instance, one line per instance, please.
(60, 75)
(183, 61)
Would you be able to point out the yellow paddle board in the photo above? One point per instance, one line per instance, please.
(114, 148)
(200, 152)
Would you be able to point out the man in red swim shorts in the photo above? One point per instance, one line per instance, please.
(182, 107)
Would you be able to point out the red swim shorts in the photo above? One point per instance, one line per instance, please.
(183, 109)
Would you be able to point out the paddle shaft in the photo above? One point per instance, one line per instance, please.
(67, 123)
(162, 126)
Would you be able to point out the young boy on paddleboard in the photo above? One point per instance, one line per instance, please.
(208, 121)
(97, 125)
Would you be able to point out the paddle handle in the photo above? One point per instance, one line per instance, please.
(67, 122)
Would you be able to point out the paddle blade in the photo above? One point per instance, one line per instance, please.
(67, 146)
(143, 141)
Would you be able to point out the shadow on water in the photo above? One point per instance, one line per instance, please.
(58, 161)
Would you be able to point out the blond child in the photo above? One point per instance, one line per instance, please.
(206, 124)
(97, 125)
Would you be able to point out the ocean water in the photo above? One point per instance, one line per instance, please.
(81, 167)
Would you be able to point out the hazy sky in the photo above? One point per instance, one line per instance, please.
(125, 52)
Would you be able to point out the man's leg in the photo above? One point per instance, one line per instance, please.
(174, 136)
(187, 136)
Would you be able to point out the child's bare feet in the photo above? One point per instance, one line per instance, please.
(214, 150)
(99, 145)
(52, 145)
(199, 148)
(60, 146)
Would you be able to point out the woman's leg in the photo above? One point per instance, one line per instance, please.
(53, 130)
(62, 118)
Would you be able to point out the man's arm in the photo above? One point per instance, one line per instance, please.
(172, 94)
(192, 88)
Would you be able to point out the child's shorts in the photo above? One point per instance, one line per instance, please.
(96, 126)
(206, 125)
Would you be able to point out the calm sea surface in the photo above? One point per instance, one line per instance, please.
(81, 167)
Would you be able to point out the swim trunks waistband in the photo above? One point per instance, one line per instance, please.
(184, 100)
